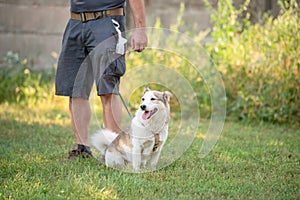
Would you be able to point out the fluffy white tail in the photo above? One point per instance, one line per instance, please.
(102, 138)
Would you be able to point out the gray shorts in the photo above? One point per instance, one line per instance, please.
(88, 55)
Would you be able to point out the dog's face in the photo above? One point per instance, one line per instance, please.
(154, 105)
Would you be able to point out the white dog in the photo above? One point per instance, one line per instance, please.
(142, 143)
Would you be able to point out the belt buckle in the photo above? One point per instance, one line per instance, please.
(82, 17)
(104, 13)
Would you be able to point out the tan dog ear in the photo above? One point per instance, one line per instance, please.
(146, 89)
(167, 96)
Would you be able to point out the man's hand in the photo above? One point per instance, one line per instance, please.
(139, 40)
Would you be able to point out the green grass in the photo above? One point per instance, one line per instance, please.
(250, 161)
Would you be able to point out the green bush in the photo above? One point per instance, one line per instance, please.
(21, 83)
(260, 63)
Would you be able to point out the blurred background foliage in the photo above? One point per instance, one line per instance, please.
(22, 83)
(259, 63)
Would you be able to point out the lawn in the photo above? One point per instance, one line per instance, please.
(250, 161)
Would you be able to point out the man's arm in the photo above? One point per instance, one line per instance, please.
(139, 38)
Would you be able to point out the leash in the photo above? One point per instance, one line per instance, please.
(126, 106)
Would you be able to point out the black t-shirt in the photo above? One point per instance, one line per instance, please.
(95, 5)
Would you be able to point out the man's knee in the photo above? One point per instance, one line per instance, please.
(78, 100)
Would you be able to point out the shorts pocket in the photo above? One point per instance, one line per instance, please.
(116, 64)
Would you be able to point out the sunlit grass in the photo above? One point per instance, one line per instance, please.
(256, 160)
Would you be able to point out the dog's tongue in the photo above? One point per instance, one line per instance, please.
(146, 115)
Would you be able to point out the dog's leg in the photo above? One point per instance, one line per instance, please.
(143, 163)
(154, 158)
(136, 157)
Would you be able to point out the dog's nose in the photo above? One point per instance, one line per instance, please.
(143, 107)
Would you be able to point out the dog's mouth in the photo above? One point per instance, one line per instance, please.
(148, 114)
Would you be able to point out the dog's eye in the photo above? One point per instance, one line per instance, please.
(152, 99)
(143, 99)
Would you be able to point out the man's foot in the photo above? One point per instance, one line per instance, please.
(80, 151)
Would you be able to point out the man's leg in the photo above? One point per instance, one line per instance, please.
(112, 112)
(80, 113)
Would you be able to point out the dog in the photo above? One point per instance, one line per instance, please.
(139, 145)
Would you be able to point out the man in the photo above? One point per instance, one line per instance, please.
(92, 22)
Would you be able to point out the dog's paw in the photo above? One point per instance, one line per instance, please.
(136, 169)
